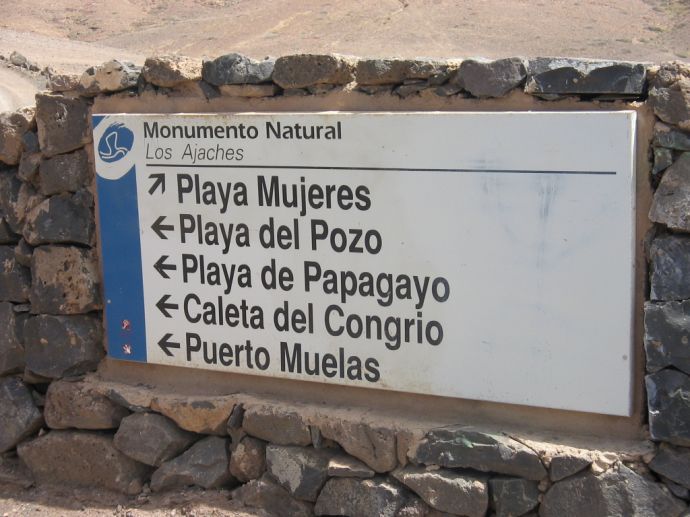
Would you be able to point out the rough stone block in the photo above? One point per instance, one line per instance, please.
(16, 200)
(513, 496)
(64, 173)
(23, 253)
(63, 123)
(15, 279)
(302, 70)
(301, 470)
(82, 459)
(350, 496)
(28, 167)
(672, 104)
(152, 439)
(374, 445)
(12, 358)
(566, 465)
(667, 335)
(111, 76)
(618, 491)
(673, 463)
(203, 415)
(61, 219)
(343, 466)
(63, 82)
(448, 491)
(557, 76)
(65, 280)
(169, 71)
(668, 398)
(465, 447)
(669, 257)
(237, 69)
(671, 202)
(75, 405)
(396, 71)
(12, 472)
(670, 138)
(490, 78)
(19, 416)
(269, 496)
(663, 159)
(13, 126)
(63, 346)
(248, 459)
(205, 464)
(276, 425)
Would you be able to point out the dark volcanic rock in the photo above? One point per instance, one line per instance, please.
(82, 459)
(60, 219)
(75, 405)
(668, 398)
(396, 71)
(448, 491)
(671, 202)
(303, 70)
(268, 496)
(19, 416)
(64, 173)
(237, 69)
(673, 463)
(563, 466)
(301, 470)
(15, 279)
(669, 257)
(13, 127)
(205, 464)
(63, 123)
(13, 472)
(618, 491)
(513, 496)
(62, 346)
(490, 78)
(151, 438)
(670, 138)
(65, 280)
(248, 459)
(466, 448)
(667, 335)
(557, 76)
(672, 104)
(360, 497)
(12, 357)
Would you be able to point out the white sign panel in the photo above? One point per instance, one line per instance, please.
(486, 256)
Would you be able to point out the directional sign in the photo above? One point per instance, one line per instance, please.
(485, 256)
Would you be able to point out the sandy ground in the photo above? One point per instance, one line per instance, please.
(70, 35)
(68, 502)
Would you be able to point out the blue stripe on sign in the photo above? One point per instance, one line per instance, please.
(122, 275)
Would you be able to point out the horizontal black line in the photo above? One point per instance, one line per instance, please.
(396, 169)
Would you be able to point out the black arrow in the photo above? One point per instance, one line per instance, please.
(159, 180)
(167, 345)
(161, 266)
(159, 227)
(163, 307)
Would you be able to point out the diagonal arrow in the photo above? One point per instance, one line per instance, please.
(166, 345)
(162, 267)
(159, 179)
(159, 227)
(163, 306)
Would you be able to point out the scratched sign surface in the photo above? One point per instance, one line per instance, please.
(486, 256)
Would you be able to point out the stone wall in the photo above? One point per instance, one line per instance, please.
(62, 423)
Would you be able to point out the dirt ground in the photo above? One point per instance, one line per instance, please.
(70, 35)
(69, 502)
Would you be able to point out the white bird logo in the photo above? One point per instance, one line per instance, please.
(113, 151)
